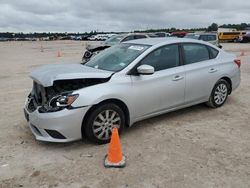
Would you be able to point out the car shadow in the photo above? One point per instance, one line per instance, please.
(167, 117)
(151, 122)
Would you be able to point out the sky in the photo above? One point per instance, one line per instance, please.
(117, 15)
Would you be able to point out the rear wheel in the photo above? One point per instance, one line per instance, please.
(102, 120)
(219, 94)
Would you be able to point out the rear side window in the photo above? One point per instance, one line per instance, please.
(194, 53)
(213, 52)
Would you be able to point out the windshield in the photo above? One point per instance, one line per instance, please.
(116, 57)
(192, 36)
(113, 40)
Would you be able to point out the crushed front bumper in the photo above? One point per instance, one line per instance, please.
(60, 126)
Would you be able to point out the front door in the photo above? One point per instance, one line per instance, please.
(162, 90)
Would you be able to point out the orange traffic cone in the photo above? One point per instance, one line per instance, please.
(242, 52)
(58, 53)
(115, 158)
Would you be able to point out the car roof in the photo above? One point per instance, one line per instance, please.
(160, 40)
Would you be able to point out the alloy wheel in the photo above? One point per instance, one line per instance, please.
(104, 123)
(220, 94)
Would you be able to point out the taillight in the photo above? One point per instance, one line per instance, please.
(237, 62)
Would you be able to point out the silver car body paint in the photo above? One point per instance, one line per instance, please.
(144, 95)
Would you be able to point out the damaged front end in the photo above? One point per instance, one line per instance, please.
(58, 96)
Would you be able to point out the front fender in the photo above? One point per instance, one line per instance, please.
(118, 89)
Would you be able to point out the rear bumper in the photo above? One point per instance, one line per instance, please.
(61, 126)
(236, 80)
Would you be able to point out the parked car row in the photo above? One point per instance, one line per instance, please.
(92, 50)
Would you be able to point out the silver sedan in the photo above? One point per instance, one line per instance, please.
(127, 83)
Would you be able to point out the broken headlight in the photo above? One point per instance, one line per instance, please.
(59, 102)
(63, 100)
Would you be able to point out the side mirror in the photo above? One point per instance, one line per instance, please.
(220, 46)
(145, 69)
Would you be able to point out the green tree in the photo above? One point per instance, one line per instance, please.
(213, 27)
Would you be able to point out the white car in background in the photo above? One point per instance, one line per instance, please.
(98, 37)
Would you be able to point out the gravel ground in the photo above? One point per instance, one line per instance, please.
(193, 147)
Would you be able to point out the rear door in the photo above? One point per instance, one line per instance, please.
(202, 71)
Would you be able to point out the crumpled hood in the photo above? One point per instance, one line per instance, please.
(47, 74)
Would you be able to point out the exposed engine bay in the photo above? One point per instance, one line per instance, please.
(55, 98)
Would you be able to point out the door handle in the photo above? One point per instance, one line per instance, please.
(212, 70)
(177, 78)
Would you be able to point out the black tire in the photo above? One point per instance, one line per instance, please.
(93, 117)
(214, 101)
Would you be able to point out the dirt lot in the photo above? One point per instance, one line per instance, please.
(194, 147)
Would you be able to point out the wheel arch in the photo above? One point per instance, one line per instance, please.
(229, 81)
(118, 102)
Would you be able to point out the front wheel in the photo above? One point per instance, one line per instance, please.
(219, 94)
(101, 121)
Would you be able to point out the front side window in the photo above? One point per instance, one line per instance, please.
(195, 53)
(163, 58)
(116, 57)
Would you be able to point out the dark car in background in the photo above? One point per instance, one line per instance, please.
(245, 38)
(92, 50)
